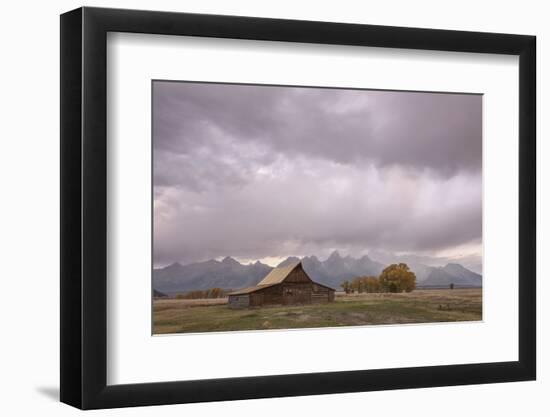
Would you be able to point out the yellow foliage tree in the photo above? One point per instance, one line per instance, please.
(346, 286)
(372, 284)
(397, 278)
(365, 284)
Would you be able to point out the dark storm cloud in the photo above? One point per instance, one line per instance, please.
(265, 171)
(437, 131)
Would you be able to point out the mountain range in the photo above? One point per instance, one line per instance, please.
(230, 274)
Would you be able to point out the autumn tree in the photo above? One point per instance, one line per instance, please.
(215, 293)
(397, 278)
(201, 294)
(365, 284)
(372, 284)
(356, 286)
(346, 286)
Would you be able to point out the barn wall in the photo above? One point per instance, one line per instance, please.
(297, 293)
(321, 294)
(301, 290)
(296, 289)
(239, 301)
(267, 296)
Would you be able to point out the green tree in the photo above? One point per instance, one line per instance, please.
(397, 278)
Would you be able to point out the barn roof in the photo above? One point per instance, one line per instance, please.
(278, 275)
(248, 290)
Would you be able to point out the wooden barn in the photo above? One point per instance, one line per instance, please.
(283, 286)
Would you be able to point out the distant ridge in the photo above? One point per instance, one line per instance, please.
(452, 274)
(230, 274)
(158, 294)
(336, 269)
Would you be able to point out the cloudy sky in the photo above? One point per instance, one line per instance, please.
(260, 172)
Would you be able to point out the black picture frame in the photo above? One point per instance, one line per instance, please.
(84, 207)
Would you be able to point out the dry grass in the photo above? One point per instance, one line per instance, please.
(166, 303)
(420, 306)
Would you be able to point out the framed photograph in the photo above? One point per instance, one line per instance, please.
(257, 208)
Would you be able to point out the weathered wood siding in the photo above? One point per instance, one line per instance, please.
(297, 276)
(267, 296)
(321, 294)
(288, 293)
(239, 301)
(297, 293)
(297, 288)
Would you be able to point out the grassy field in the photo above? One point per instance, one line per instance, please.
(419, 306)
